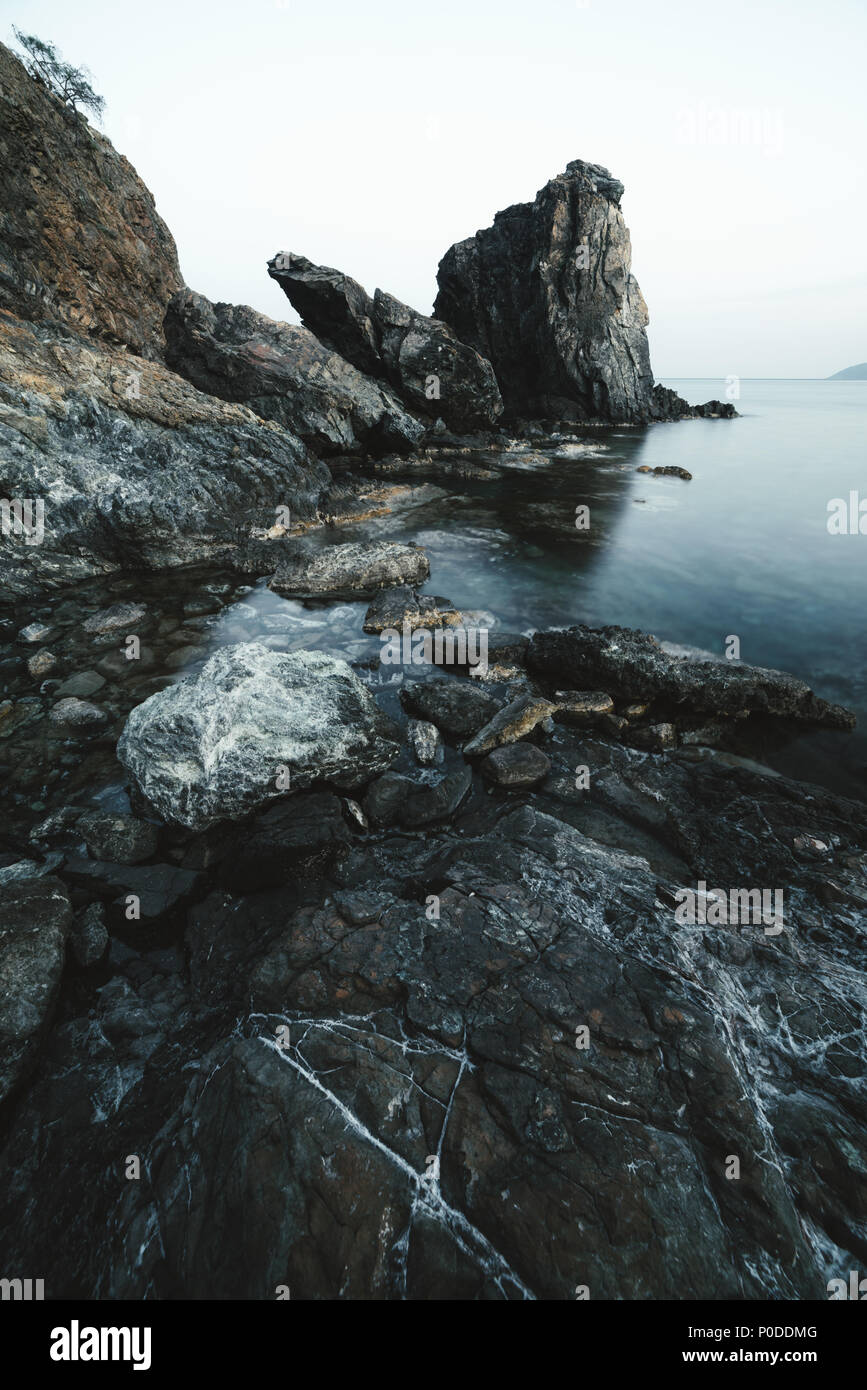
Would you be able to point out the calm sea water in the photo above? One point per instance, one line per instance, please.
(742, 549)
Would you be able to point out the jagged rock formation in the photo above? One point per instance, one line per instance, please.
(81, 242)
(547, 295)
(284, 373)
(437, 375)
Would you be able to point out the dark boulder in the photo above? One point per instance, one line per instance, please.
(633, 665)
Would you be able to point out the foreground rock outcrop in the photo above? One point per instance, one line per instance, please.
(436, 374)
(252, 726)
(548, 297)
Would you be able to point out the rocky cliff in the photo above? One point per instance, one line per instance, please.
(548, 296)
(123, 463)
(81, 242)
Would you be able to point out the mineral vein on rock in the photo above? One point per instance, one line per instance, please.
(427, 1195)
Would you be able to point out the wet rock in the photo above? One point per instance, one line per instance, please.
(82, 684)
(183, 656)
(435, 374)
(350, 570)
(308, 830)
(397, 800)
(362, 908)
(582, 706)
(29, 868)
(117, 665)
(654, 738)
(284, 373)
(632, 664)
(35, 916)
(507, 649)
(89, 936)
(456, 707)
(118, 838)
(41, 664)
(665, 404)
(669, 471)
(354, 814)
(425, 742)
(159, 888)
(516, 765)
(223, 742)
(57, 826)
(35, 632)
(78, 716)
(15, 714)
(510, 724)
(331, 1044)
(394, 608)
(634, 711)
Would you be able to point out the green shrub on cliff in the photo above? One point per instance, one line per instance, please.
(71, 84)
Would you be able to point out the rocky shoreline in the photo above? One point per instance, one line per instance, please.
(342, 932)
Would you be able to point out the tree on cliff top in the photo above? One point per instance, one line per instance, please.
(71, 84)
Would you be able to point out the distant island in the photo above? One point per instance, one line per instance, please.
(858, 373)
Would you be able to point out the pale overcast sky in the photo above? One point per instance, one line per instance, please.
(371, 134)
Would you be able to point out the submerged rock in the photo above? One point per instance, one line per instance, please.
(253, 725)
(120, 617)
(77, 715)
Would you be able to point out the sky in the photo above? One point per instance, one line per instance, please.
(372, 135)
